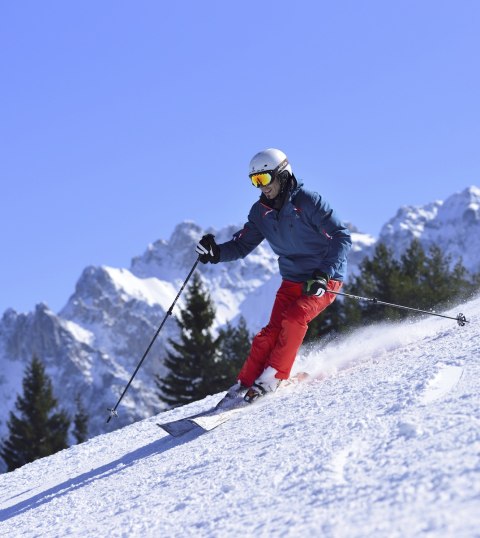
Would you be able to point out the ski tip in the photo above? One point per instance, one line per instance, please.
(177, 429)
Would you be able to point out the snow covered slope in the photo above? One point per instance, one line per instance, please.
(388, 445)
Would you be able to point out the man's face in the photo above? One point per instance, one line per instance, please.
(271, 190)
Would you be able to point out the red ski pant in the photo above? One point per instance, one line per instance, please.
(277, 344)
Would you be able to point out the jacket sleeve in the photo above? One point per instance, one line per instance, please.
(243, 242)
(328, 223)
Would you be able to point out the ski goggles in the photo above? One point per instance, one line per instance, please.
(262, 179)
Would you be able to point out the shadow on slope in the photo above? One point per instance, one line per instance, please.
(157, 447)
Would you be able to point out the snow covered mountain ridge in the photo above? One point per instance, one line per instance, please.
(94, 343)
(454, 225)
(386, 446)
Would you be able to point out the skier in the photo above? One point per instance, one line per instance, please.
(312, 246)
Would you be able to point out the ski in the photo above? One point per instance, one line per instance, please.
(221, 413)
(205, 421)
(176, 428)
(210, 422)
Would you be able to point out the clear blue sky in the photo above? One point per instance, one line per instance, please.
(119, 119)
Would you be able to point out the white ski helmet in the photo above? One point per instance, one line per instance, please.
(269, 160)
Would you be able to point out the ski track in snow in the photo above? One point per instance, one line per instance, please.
(387, 445)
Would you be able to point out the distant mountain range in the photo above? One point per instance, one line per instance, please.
(92, 346)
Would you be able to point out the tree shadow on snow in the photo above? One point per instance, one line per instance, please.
(156, 447)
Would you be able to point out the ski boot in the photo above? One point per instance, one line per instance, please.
(266, 383)
(233, 396)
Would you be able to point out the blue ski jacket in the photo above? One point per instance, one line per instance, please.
(305, 234)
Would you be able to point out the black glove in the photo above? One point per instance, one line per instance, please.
(317, 285)
(208, 251)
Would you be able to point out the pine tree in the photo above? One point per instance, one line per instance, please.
(442, 284)
(419, 279)
(80, 422)
(233, 348)
(38, 430)
(192, 362)
(379, 277)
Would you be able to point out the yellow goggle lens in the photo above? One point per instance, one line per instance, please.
(261, 180)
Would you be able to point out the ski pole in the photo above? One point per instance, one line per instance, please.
(460, 318)
(113, 410)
